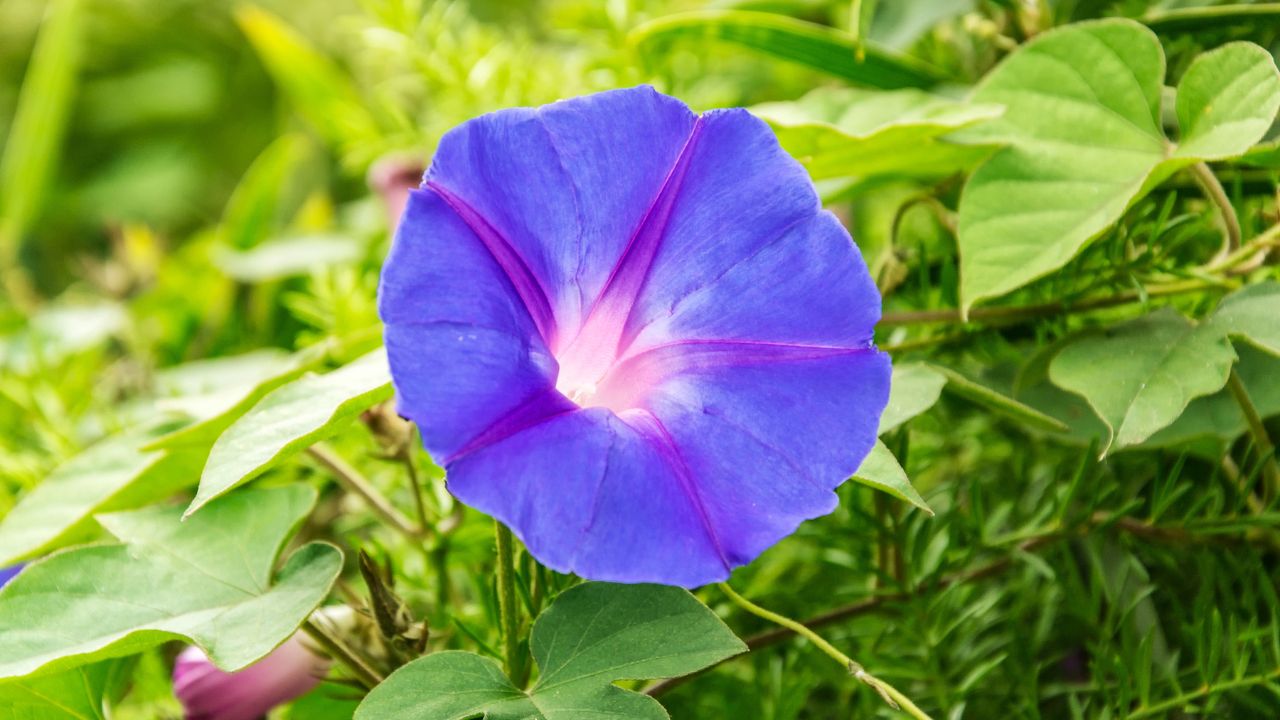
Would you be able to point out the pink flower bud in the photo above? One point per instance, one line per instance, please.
(208, 693)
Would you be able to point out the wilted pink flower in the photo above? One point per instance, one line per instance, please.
(207, 693)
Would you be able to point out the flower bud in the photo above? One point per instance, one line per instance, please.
(207, 693)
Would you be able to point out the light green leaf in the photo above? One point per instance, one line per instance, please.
(253, 210)
(913, 389)
(77, 694)
(1082, 120)
(1252, 313)
(287, 256)
(290, 419)
(203, 389)
(207, 580)
(1226, 102)
(114, 474)
(35, 138)
(1140, 375)
(998, 402)
(321, 92)
(1217, 417)
(842, 132)
(881, 470)
(593, 635)
(817, 46)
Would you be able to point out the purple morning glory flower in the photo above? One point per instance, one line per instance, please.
(207, 693)
(632, 334)
(9, 573)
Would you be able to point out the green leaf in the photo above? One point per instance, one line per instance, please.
(34, 140)
(113, 474)
(322, 93)
(290, 419)
(817, 46)
(881, 470)
(1226, 102)
(913, 389)
(841, 132)
(1082, 120)
(220, 406)
(998, 402)
(1217, 417)
(593, 635)
(1140, 375)
(207, 580)
(253, 211)
(1252, 313)
(77, 694)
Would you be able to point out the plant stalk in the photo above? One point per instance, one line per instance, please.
(1261, 439)
(1214, 191)
(890, 694)
(512, 662)
(353, 482)
(338, 650)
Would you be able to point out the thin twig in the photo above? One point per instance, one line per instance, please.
(1050, 309)
(353, 482)
(405, 456)
(338, 650)
(889, 693)
(1218, 196)
(1262, 441)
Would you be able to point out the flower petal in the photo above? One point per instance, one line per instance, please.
(463, 350)
(747, 241)
(589, 493)
(566, 185)
(768, 431)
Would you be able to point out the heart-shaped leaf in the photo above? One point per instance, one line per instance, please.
(1140, 375)
(289, 419)
(207, 580)
(1252, 313)
(593, 635)
(842, 132)
(1082, 124)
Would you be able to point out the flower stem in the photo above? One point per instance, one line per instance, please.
(338, 649)
(1261, 440)
(419, 502)
(353, 482)
(512, 662)
(1218, 196)
(890, 694)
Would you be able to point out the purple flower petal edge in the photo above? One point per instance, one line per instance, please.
(632, 334)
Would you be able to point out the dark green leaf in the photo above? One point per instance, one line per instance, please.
(208, 580)
(593, 635)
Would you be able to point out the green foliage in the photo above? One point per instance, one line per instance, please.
(167, 580)
(112, 475)
(843, 132)
(1070, 209)
(881, 471)
(288, 420)
(1082, 120)
(594, 634)
(823, 48)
